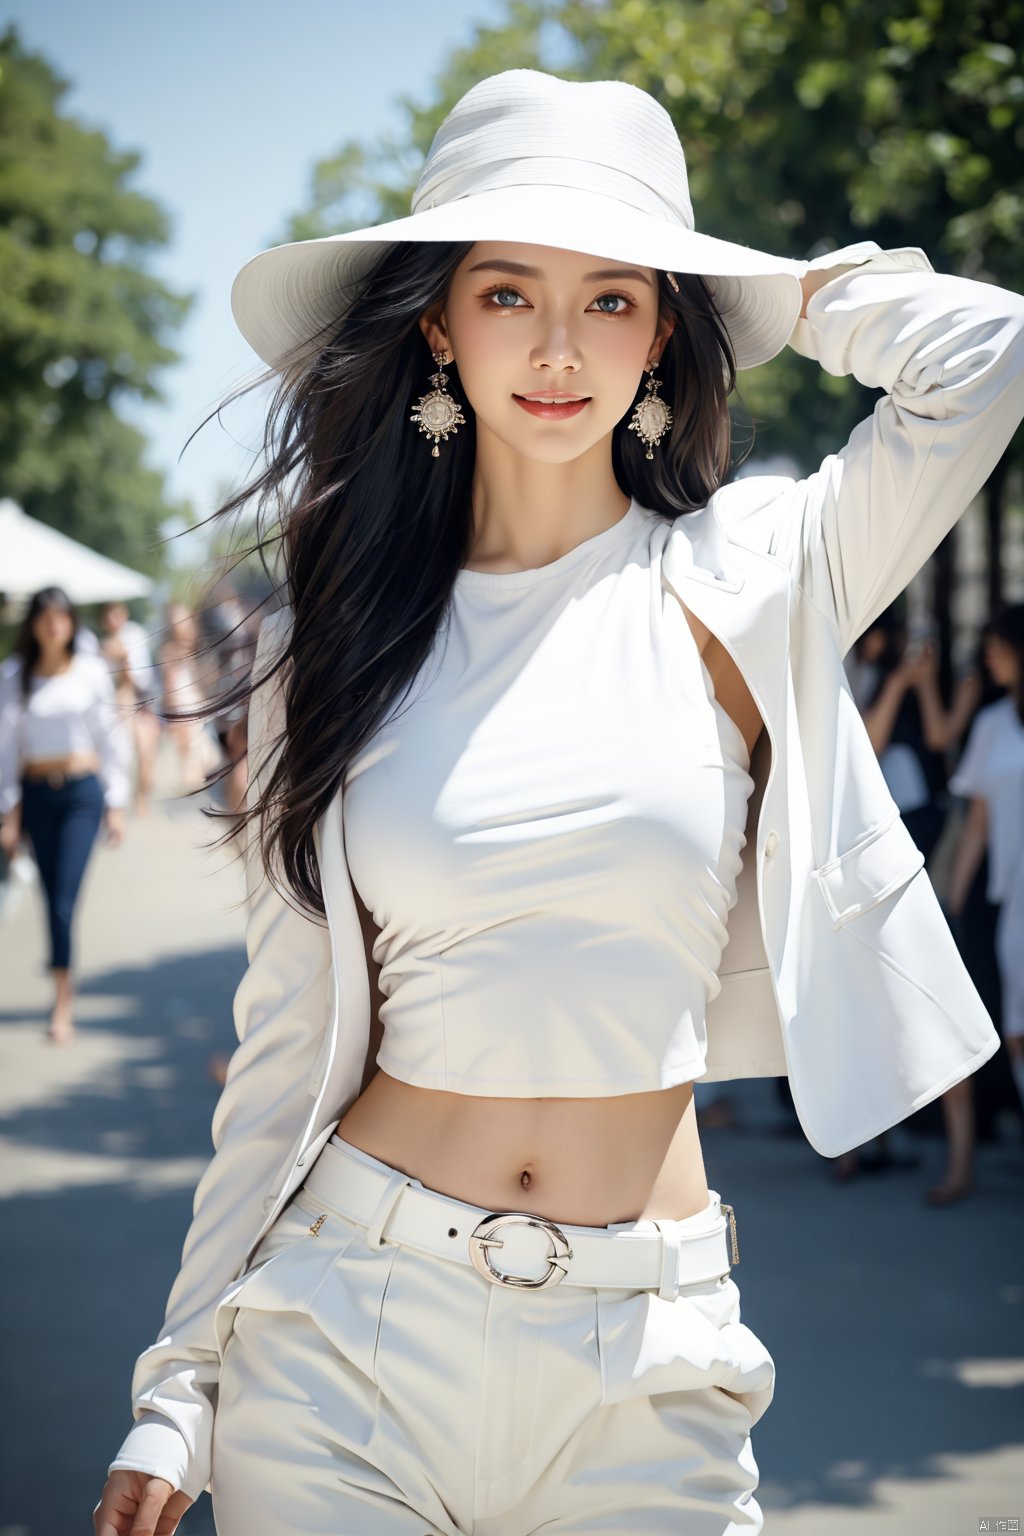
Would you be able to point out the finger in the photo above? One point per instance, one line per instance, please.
(148, 1513)
(104, 1518)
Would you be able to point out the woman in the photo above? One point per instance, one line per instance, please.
(184, 699)
(235, 639)
(455, 1264)
(65, 767)
(125, 645)
(990, 775)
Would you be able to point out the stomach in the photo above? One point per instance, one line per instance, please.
(67, 762)
(585, 1161)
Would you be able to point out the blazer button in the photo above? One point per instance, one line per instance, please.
(771, 842)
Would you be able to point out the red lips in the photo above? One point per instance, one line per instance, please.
(557, 412)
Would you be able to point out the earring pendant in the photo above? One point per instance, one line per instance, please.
(652, 417)
(437, 412)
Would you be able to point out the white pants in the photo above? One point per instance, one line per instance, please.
(381, 1391)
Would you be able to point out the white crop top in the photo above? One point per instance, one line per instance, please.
(547, 831)
(72, 711)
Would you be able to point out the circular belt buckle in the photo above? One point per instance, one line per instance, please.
(482, 1239)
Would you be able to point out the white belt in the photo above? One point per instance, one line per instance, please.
(535, 1252)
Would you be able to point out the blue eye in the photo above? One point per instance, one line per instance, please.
(493, 293)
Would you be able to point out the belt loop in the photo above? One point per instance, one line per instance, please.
(669, 1287)
(385, 1205)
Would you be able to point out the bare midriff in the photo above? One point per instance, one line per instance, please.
(71, 762)
(585, 1161)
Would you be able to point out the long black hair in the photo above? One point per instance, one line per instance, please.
(1007, 625)
(26, 645)
(371, 529)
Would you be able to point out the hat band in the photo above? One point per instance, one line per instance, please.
(551, 170)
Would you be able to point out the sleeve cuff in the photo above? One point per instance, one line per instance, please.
(155, 1445)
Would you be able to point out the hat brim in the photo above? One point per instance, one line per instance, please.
(284, 296)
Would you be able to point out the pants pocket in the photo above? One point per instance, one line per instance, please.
(347, 1305)
(292, 1260)
(649, 1344)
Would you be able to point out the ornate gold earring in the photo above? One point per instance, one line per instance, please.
(652, 417)
(437, 412)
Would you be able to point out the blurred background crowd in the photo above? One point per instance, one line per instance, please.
(96, 720)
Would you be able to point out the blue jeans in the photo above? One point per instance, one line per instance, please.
(61, 824)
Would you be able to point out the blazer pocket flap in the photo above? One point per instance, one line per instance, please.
(868, 872)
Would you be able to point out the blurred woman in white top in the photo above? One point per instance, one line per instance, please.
(183, 692)
(138, 686)
(65, 768)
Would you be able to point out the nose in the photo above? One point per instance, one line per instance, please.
(556, 349)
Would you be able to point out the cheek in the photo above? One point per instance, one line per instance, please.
(491, 361)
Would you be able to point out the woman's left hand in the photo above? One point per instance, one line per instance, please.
(113, 818)
(818, 277)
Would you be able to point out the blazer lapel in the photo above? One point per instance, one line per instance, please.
(742, 596)
(347, 1037)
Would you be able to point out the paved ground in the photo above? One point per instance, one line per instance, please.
(898, 1332)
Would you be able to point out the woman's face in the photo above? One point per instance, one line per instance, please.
(873, 643)
(561, 322)
(52, 628)
(1002, 662)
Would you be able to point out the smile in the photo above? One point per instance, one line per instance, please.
(554, 410)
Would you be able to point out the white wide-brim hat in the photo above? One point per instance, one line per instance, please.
(590, 166)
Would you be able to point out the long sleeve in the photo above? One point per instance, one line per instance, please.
(281, 1009)
(949, 352)
(10, 732)
(112, 738)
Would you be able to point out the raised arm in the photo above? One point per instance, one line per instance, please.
(949, 354)
(281, 1008)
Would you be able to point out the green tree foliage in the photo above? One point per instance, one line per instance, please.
(81, 320)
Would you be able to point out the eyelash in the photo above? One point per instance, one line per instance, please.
(508, 288)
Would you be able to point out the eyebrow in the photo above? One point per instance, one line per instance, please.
(519, 269)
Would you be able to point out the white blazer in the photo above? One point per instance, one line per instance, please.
(840, 969)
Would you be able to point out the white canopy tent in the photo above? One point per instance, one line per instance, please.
(34, 555)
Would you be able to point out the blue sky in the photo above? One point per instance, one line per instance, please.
(230, 105)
